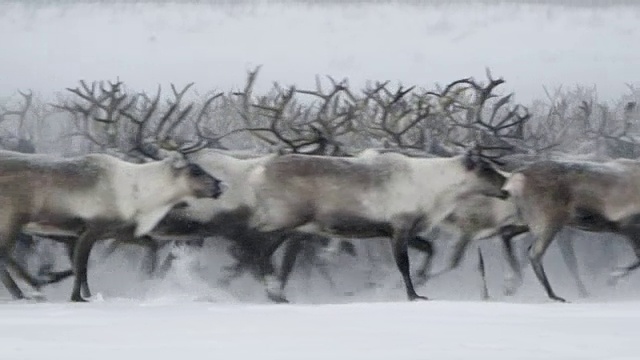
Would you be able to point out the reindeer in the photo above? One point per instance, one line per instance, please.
(481, 218)
(586, 195)
(371, 195)
(233, 215)
(94, 197)
(227, 216)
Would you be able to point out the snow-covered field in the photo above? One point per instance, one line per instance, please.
(187, 314)
(427, 330)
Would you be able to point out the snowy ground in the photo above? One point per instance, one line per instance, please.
(187, 314)
(398, 330)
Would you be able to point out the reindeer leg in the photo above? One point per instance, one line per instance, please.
(624, 271)
(513, 278)
(426, 246)
(111, 248)
(81, 254)
(168, 261)
(165, 265)
(71, 246)
(323, 270)
(29, 279)
(536, 252)
(6, 278)
(11, 285)
(24, 244)
(234, 271)
(483, 276)
(8, 240)
(292, 250)
(23, 247)
(400, 244)
(274, 287)
(57, 276)
(51, 277)
(458, 252)
(348, 248)
(569, 255)
(632, 234)
(150, 259)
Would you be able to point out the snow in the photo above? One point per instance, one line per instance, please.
(188, 314)
(435, 330)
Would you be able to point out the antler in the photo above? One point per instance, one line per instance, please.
(24, 142)
(141, 121)
(94, 104)
(331, 117)
(101, 103)
(465, 105)
(159, 126)
(21, 113)
(395, 116)
(204, 114)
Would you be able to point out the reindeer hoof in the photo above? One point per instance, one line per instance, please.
(58, 276)
(511, 285)
(617, 273)
(558, 299)
(613, 281)
(415, 297)
(615, 276)
(508, 291)
(277, 298)
(37, 297)
(78, 298)
(348, 248)
(583, 293)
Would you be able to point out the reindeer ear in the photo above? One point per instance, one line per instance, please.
(177, 160)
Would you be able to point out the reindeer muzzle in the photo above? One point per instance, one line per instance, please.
(504, 195)
(219, 188)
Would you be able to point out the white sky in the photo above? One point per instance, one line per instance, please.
(48, 48)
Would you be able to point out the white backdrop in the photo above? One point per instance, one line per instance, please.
(49, 47)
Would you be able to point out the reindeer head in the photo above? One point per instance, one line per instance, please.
(486, 179)
(200, 183)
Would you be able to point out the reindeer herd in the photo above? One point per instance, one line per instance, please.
(284, 198)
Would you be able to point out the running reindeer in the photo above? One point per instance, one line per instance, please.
(371, 195)
(587, 195)
(454, 116)
(95, 197)
(481, 218)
